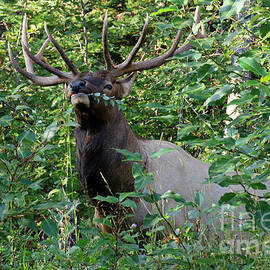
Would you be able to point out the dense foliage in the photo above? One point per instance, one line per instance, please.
(184, 101)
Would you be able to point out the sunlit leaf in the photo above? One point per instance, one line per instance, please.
(231, 8)
(250, 64)
(162, 151)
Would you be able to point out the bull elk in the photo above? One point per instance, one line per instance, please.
(103, 128)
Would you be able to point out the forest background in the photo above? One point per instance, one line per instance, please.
(184, 101)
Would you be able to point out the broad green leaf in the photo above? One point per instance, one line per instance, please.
(231, 8)
(172, 195)
(266, 3)
(223, 165)
(106, 221)
(129, 203)
(49, 227)
(50, 131)
(265, 176)
(162, 151)
(150, 221)
(154, 197)
(250, 64)
(265, 30)
(179, 23)
(184, 131)
(226, 89)
(205, 43)
(136, 157)
(262, 216)
(27, 136)
(227, 198)
(109, 199)
(5, 120)
(29, 221)
(204, 70)
(125, 195)
(141, 179)
(192, 88)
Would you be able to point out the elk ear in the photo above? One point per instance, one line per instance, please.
(126, 83)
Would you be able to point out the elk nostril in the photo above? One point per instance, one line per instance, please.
(81, 85)
(76, 86)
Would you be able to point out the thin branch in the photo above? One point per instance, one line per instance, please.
(83, 5)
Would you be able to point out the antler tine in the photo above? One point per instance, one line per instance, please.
(39, 54)
(186, 45)
(61, 77)
(71, 67)
(28, 61)
(197, 15)
(59, 73)
(42, 81)
(151, 63)
(106, 53)
(136, 48)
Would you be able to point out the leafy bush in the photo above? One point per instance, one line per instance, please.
(185, 100)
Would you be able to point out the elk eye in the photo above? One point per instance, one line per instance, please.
(108, 86)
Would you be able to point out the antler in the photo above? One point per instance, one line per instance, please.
(187, 45)
(59, 77)
(127, 66)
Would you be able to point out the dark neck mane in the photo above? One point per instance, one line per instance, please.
(97, 161)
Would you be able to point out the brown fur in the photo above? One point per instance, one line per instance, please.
(103, 128)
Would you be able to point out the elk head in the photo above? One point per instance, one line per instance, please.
(83, 85)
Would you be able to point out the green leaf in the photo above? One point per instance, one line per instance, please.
(50, 131)
(125, 195)
(179, 23)
(129, 203)
(172, 195)
(265, 30)
(199, 199)
(185, 131)
(223, 165)
(2, 211)
(109, 199)
(49, 227)
(150, 221)
(136, 157)
(27, 136)
(226, 89)
(262, 216)
(71, 123)
(204, 70)
(193, 88)
(231, 8)
(161, 151)
(266, 3)
(5, 120)
(141, 179)
(162, 10)
(227, 198)
(154, 197)
(250, 64)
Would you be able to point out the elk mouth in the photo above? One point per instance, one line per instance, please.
(80, 99)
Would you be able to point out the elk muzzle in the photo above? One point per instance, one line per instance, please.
(76, 92)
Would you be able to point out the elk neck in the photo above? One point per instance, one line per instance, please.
(101, 169)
